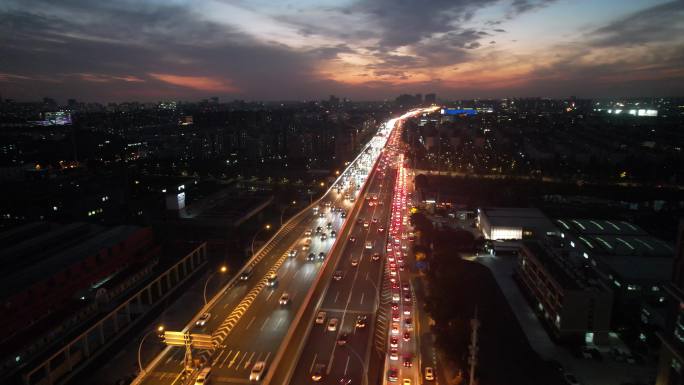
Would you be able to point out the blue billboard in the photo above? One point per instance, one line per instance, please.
(459, 111)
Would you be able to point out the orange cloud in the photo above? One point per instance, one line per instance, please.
(201, 83)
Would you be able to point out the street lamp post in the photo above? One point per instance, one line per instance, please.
(363, 364)
(159, 329)
(267, 227)
(222, 270)
(282, 212)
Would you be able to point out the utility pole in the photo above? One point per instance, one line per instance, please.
(473, 348)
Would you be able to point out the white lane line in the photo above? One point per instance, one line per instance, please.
(362, 295)
(226, 358)
(250, 323)
(230, 364)
(218, 358)
(337, 295)
(367, 274)
(346, 366)
(265, 322)
(249, 361)
(278, 323)
(270, 294)
(266, 358)
(313, 363)
(237, 367)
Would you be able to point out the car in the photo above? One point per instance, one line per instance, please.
(429, 374)
(405, 286)
(354, 262)
(395, 316)
(311, 257)
(332, 324)
(328, 226)
(366, 224)
(361, 321)
(395, 328)
(305, 247)
(321, 215)
(337, 275)
(292, 253)
(320, 318)
(407, 336)
(324, 237)
(359, 221)
(408, 361)
(395, 307)
(319, 229)
(369, 245)
(392, 374)
(394, 342)
(321, 256)
(375, 257)
(395, 297)
(202, 320)
(407, 381)
(203, 377)
(381, 229)
(570, 379)
(352, 239)
(395, 285)
(333, 233)
(407, 311)
(343, 214)
(407, 297)
(318, 372)
(342, 339)
(394, 355)
(246, 273)
(257, 371)
(374, 220)
(284, 299)
(307, 233)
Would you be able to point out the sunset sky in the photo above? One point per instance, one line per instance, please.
(363, 49)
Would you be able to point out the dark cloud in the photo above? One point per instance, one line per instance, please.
(500, 30)
(405, 22)
(658, 24)
(522, 6)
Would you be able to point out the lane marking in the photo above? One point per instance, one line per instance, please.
(313, 362)
(265, 322)
(336, 296)
(226, 358)
(346, 366)
(249, 361)
(362, 295)
(250, 323)
(234, 358)
(237, 367)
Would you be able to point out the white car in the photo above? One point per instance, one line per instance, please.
(203, 319)
(320, 318)
(284, 299)
(332, 324)
(369, 245)
(257, 371)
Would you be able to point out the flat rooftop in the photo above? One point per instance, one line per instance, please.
(518, 217)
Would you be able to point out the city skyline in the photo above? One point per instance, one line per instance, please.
(365, 50)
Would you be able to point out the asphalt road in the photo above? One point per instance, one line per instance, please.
(355, 294)
(247, 317)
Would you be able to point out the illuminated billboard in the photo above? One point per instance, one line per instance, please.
(57, 118)
(459, 111)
